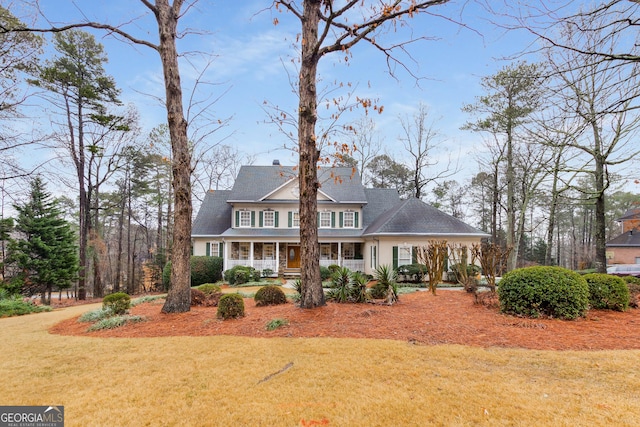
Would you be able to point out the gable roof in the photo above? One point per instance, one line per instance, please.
(341, 184)
(629, 238)
(630, 214)
(214, 215)
(413, 216)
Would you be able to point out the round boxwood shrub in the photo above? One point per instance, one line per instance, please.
(544, 291)
(230, 306)
(209, 288)
(205, 269)
(607, 292)
(118, 303)
(270, 295)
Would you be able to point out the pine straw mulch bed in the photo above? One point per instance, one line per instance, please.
(450, 317)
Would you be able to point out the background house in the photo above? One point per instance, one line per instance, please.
(625, 248)
(257, 222)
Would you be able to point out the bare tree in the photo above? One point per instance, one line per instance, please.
(367, 145)
(599, 96)
(167, 14)
(421, 139)
(330, 28)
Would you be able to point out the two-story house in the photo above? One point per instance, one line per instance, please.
(625, 248)
(257, 222)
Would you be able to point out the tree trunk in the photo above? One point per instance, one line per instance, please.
(511, 202)
(312, 294)
(179, 296)
(552, 209)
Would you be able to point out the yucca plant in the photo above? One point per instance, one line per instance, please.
(386, 286)
(358, 293)
(340, 285)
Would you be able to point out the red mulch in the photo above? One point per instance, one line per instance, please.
(451, 317)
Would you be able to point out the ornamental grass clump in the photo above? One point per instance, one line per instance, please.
(269, 295)
(230, 306)
(607, 292)
(544, 291)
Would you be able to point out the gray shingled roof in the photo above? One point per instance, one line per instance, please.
(379, 200)
(630, 238)
(214, 216)
(255, 182)
(415, 217)
(630, 214)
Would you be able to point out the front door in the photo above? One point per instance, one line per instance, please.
(293, 256)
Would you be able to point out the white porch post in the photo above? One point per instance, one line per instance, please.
(224, 255)
(340, 254)
(251, 254)
(277, 269)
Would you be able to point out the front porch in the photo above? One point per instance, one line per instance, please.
(283, 258)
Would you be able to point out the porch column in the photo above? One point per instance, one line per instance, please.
(251, 254)
(224, 255)
(277, 269)
(340, 254)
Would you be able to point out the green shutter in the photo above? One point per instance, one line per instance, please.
(207, 251)
(221, 249)
(253, 218)
(237, 219)
(276, 219)
(318, 219)
(333, 220)
(340, 219)
(395, 257)
(260, 220)
(290, 219)
(356, 219)
(414, 255)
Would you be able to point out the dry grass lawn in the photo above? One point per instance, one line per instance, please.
(230, 381)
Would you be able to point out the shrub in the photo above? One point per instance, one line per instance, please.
(197, 297)
(325, 273)
(269, 295)
(230, 306)
(412, 273)
(276, 323)
(241, 274)
(607, 292)
(209, 288)
(632, 279)
(205, 269)
(297, 285)
(267, 272)
(548, 291)
(15, 306)
(207, 295)
(386, 286)
(358, 292)
(166, 276)
(333, 268)
(340, 284)
(118, 303)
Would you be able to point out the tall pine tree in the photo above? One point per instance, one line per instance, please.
(45, 251)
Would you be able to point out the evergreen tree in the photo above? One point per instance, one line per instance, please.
(46, 251)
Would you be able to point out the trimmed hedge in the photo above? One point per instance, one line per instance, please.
(241, 274)
(270, 295)
(204, 269)
(607, 292)
(230, 306)
(544, 291)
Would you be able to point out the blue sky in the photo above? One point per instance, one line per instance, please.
(251, 64)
